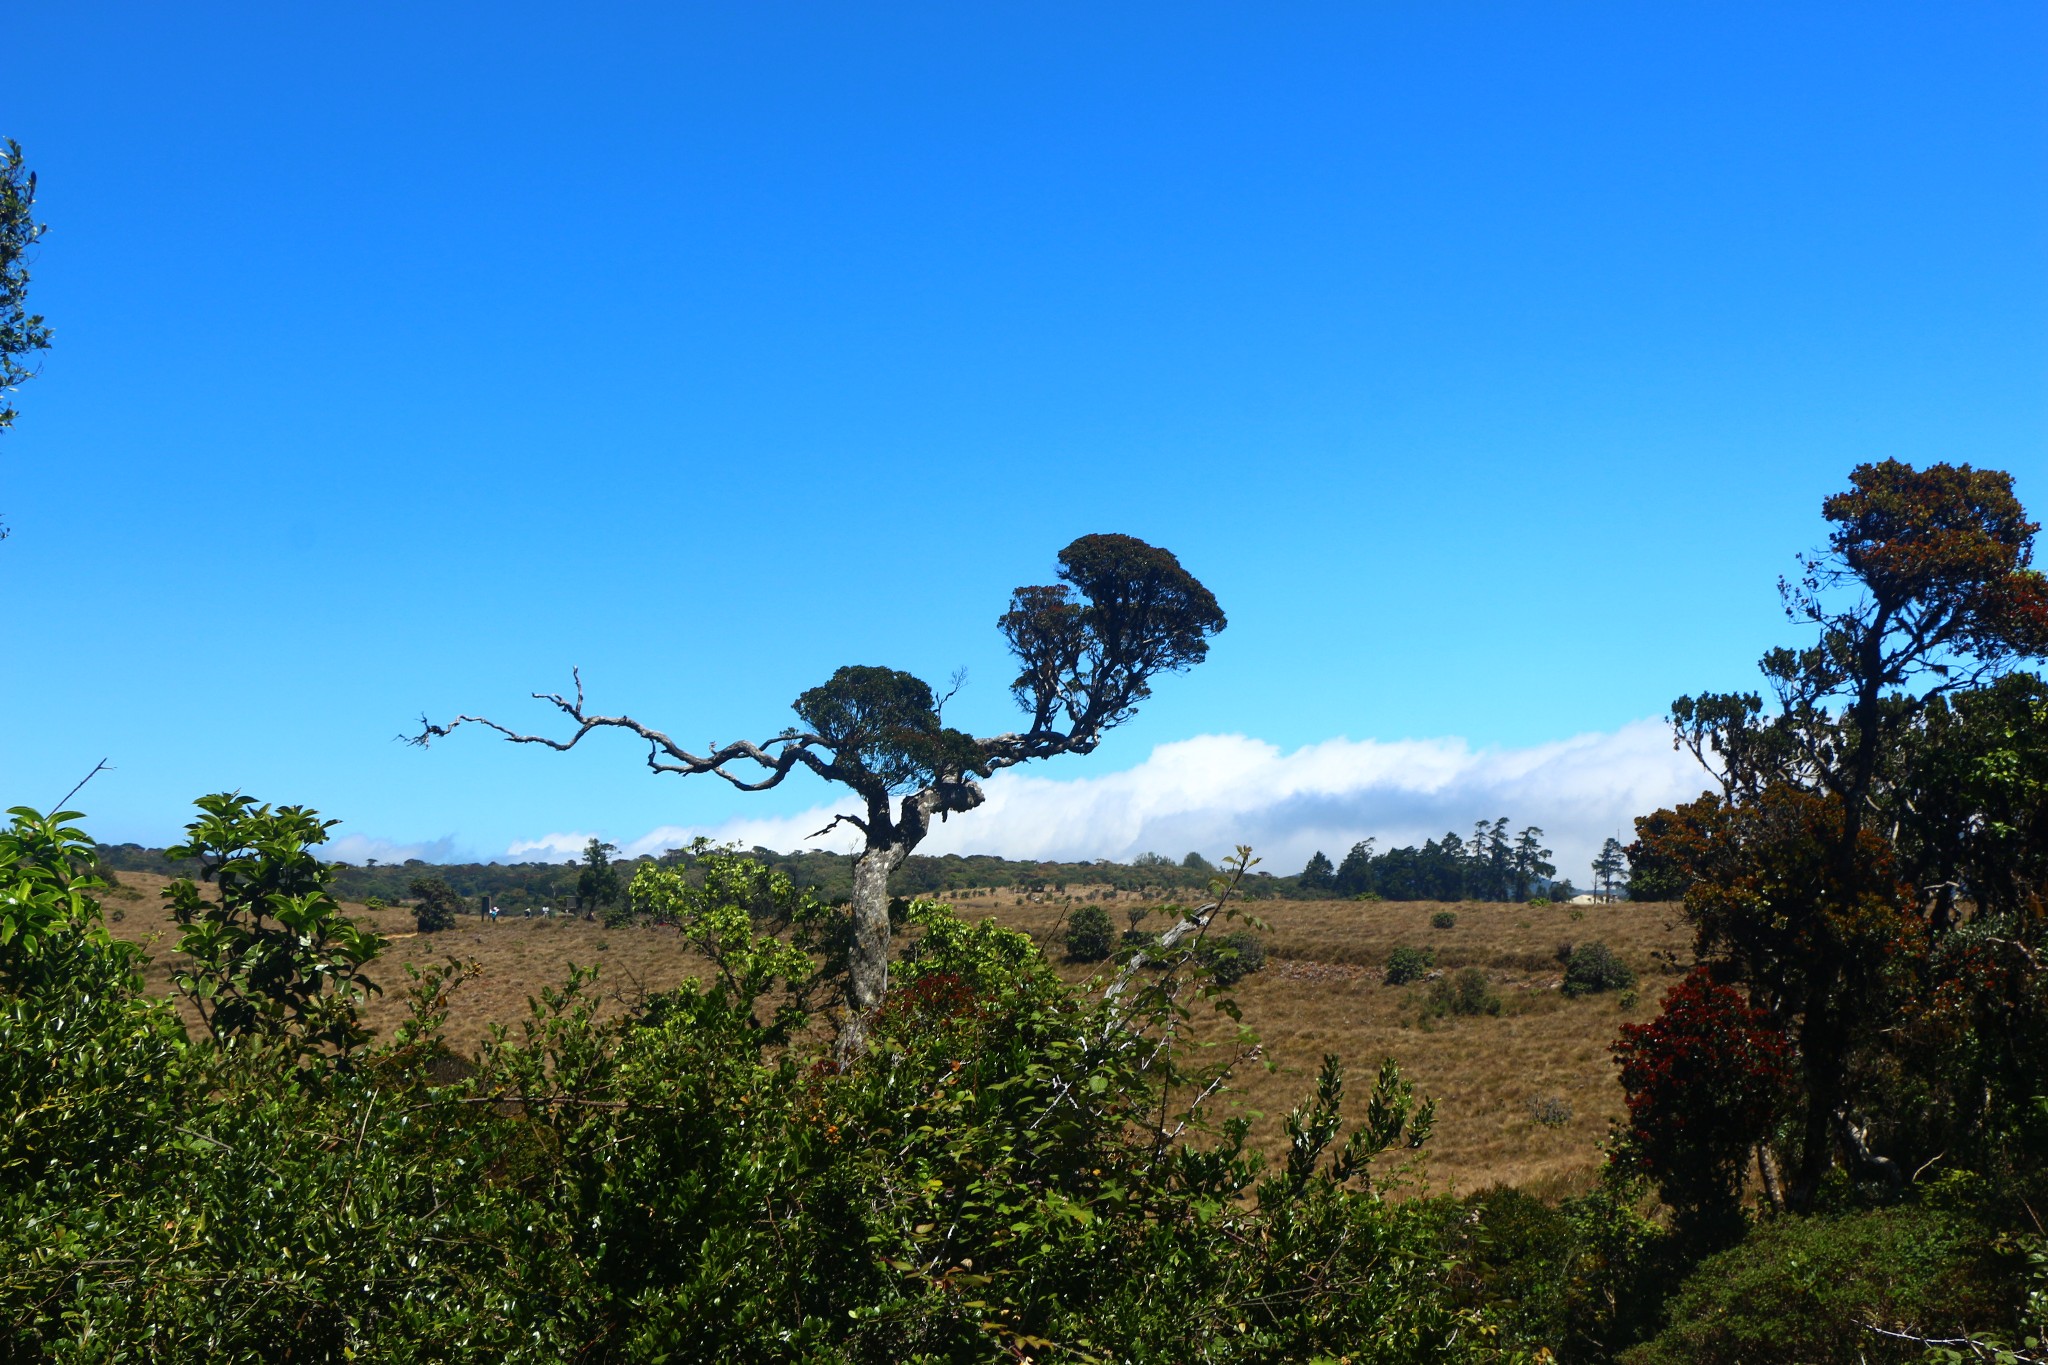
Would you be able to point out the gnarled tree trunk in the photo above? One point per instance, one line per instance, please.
(867, 978)
(889, 842)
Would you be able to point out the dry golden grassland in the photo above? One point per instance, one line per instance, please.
(1321, 992)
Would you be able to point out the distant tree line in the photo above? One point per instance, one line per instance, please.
(580, 884)
(1492, 865)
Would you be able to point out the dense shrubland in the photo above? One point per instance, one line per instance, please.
(1014, 1169)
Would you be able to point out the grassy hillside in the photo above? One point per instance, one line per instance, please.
(1321, 992)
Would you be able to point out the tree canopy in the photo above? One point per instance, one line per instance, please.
(1088, 648)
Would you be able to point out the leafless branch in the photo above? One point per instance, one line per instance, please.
(778, 755)
(839, 820)
(97, 769)
(1244, 1055)
(1983, 1350)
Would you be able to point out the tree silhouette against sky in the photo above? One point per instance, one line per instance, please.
(1087, 647)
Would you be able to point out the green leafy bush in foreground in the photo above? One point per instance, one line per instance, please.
(1813, 1291)
(1013, 1170)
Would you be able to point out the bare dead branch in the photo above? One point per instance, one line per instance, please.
(97, 769)
(839, 820)
(1982, 1350)
(778, 755)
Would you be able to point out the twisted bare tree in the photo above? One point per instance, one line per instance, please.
(1088, 647)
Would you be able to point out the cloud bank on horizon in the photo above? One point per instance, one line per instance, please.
(1212, 792)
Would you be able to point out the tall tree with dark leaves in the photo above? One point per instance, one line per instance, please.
(1610, 869)
(1087, 647)
(1319, 878)
(1824, 874)
(597, 885)
(1528, 862)
(1354, 874)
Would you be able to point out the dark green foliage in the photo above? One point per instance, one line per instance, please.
(514, 887)
(1610, 870)
(435, 905)
(883, 725)
(1090, 935)
(598, 885)
(1593, 967)
(1444, 919)
(1092, 660)
(1354, 874)
(1652, 874)
(1468, 993)
(22, 333)
(1583, 1278)
(1489, 866)
(1405, 965)
(1234, 957)
(1319, 878)
(1803, 1291)
(1897, 778)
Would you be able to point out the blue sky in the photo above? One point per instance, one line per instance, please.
(1488, 361)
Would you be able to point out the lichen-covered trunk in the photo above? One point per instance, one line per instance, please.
(867, 976)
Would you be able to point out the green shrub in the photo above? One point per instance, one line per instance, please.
(1538, 902)
(1444, 919)
(1236, 957)
(436, 904)
(1466, 993)
(1593, 967)
(1090, 935)
(1800, 1291)
(1409, 964)
(1582, 1278)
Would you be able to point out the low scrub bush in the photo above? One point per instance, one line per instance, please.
(1466, 993)
(1405, 965)
(1444, 919)
(1592, 968)
(1235, 957)
(1090, 935)
(1807, 1291)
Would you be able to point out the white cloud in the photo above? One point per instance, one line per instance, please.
(1213, 792)
(550, 847)
(361, 848)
